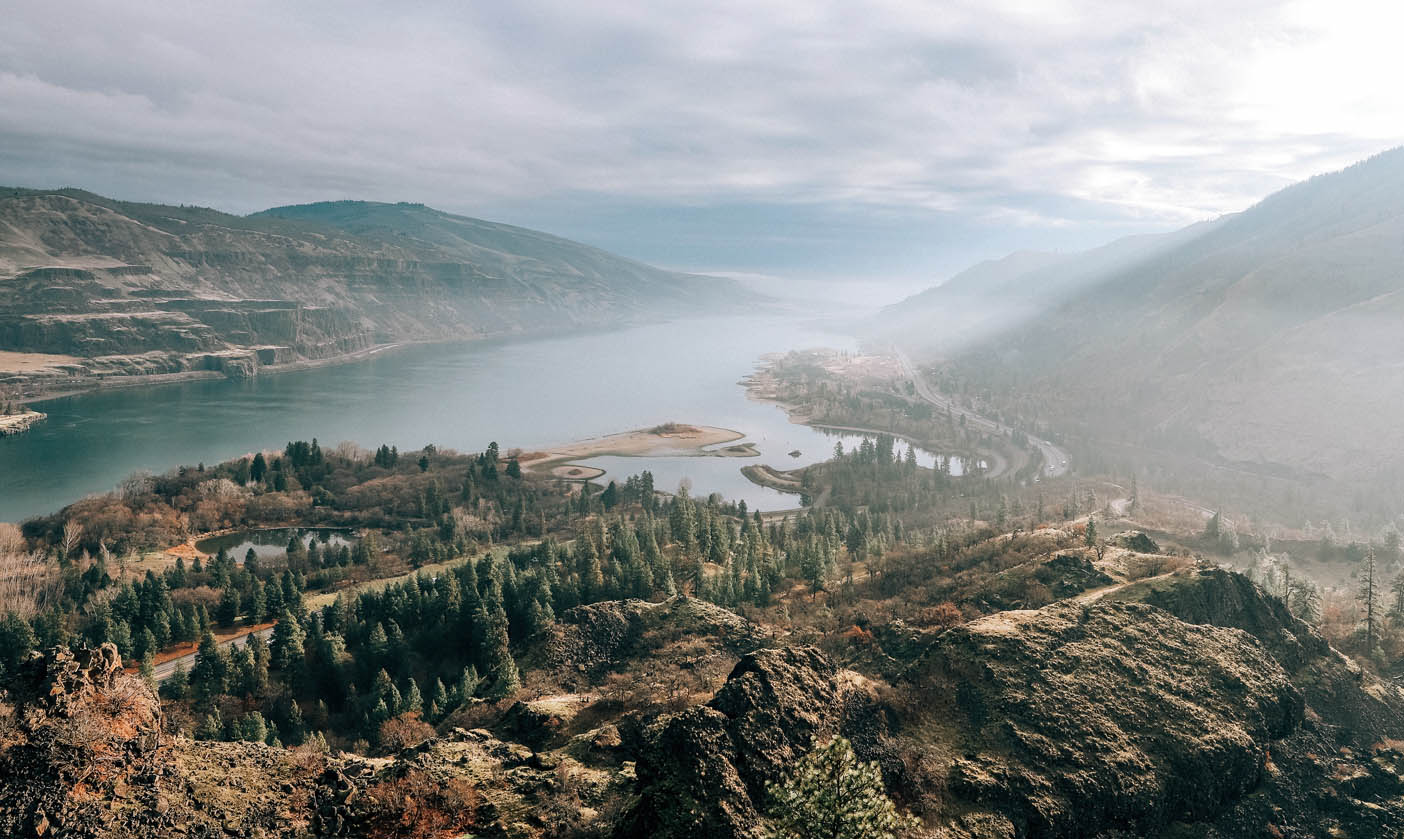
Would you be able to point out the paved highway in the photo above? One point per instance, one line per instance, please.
(1055, 460)
(166, 669)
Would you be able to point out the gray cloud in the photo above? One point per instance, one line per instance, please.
(990, 125)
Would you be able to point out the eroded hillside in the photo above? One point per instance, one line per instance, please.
(102, 288)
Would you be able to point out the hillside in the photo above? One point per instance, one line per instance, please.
(102, 287)
(625, 663)
(1190, 705)
(1002, 294)
(1268, 340)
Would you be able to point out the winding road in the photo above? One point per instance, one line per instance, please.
(1055, 460)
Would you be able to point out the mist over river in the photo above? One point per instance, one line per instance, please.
(525, 393)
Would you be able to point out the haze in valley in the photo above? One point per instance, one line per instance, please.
(702, 420)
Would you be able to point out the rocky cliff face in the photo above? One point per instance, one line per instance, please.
(144, 289)
(703, 772)
(1214, 714)
(1211, 713)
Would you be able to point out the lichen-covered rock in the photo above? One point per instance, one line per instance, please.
(1217, 597)
(78, 717)
(702, 773)
(1067, 574)
(589, 641)
(1073, 720)
(1136, 540)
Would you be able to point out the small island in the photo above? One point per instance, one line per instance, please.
(17, 419)
(670, 439)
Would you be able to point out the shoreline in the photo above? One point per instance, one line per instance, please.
(15, 424)
(759, 385)
(95, 383)
(101, 383)
(667, 440)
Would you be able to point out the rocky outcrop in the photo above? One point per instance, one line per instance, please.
(77, 719)
(1070, 721)
(1136, 540)
(702, 773)
(83, 756)
(19, 423)
(589, 641)
(1218, 597)
(1109, 718)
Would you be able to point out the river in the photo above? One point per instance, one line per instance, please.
(526, 393)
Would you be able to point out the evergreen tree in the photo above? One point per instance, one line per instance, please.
(229, 607)
(1370, 599)
(253, 728)
(177, 685)
(211, 727)
(831, 795)
(497, 657)
(210, 675)
(411, 699)
(438, 699)
(467, 686)
(1396, 610)
(286, 651)
(1215, 527)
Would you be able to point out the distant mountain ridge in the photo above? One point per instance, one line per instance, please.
(129, 288)
(1269, 338)
(997, 295)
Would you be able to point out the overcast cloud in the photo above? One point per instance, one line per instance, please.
(805, 137)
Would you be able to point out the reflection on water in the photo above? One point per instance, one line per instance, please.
(271, 543)
(723, 474)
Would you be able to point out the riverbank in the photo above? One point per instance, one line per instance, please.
(35, 377)
(19, 423)
(667, 440)
(70, 382)
(769, 476)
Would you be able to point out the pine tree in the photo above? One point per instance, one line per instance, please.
(1304, 601)
(211, 727)
(286, 649)
(1370, 599)
(228, 611)
(467, 686)
(411, 699)
(210, 675)
(439, 698)
(831, 795)
(497, 656)
(253, 728)
(1214, 528)
(1396, 611)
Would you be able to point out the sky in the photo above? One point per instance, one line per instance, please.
(827, 140)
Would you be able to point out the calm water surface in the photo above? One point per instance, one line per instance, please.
(271, 543)
(526, 393)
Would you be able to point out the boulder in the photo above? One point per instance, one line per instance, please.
(1075, 719)
(702, 773)
(1136, 540)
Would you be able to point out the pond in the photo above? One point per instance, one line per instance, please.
(271, 543)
